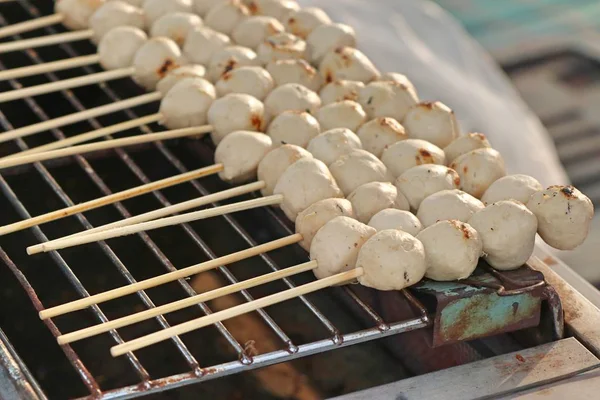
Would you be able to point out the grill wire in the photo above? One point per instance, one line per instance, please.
(196, 372)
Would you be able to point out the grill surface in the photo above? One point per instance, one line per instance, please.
(34, 190)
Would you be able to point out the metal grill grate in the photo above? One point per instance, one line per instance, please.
(274, 225)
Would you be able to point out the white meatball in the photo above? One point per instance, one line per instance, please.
(309, 221)
(186, 72)
(331, 145)
(202, 7)
(452, 249)
(434, 122)
(327, 38)
(373, 197)
(478, 169)
(276, 162)
(295, 71)
(302, 22)
(187, 103)
(252, 31)
(399, 78)
(118, 48)
(409, 153)
(228, 59)
(201, 45)
(446, 205)
(291, 97)
(391, 260)
(392, 218)
(176, 26)
(340, 90)
(357, 168)
(347, 63)
(422, 181)
(512, 187)
(304, 183)
(507, 229)
(240, 152)
(255, 81)
(277, 9)
(465, 144)
(76, 13)
(281, 46)
(293, 127)
(380, 133)
(336, 245)
(135, 3)
(387, 99)
(115, 14)
(154, 60)
(154, 9)
(225, 16)
(235, 112)
(343, 114)
(564, 216)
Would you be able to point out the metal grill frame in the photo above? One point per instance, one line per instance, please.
(196, 372)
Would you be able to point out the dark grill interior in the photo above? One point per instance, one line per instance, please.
(293, 332)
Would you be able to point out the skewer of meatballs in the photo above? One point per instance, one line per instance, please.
(460, 212)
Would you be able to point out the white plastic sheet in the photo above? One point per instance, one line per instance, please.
(419, 39)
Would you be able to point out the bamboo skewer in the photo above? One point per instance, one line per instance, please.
(110, 199)
(100, 77)
(174, 209)
(42, 41)
(168, 277)
(45, 68)
(30, 25)
(79, 116)
(220, 316)
(63, 243)
(109, 144)
(181, 304)
(84, 137)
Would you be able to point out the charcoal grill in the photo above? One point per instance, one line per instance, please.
(429, 328)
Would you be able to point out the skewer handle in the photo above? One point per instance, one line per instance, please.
(84, 137)
(30, 25)
(45, 68)
(42, 41)
(79, 116)
(176, 208)
(66, 84)
(168, 277)
(160, 223)
(110, 199)
(220, 316)
(178, 305)
(109, 144)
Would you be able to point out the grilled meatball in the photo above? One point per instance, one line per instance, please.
(373, 197)
(507, 229)
(391, 260)
(154, 59)
(175, 76)
(302, 22)
(357, 168)
(176, 26)
(314, 217)
(327, 38)
(291, 97)
(253, 31)
(564, 216)
(452, 249)
(240, 152)
(331, 145)
(343, 114)
(478, 169)
(347, 63)
(77, 13)
(118, 48)
(515, 187)
(276, 162)
(393, 218)
(379, 134)
(225, 16)
(409, 153)
(255, 81)
(202, 43)
(464, 144)
(293, 127)
(387, 99)
(422, 181)
(304, 183)
(434, 122)
(235, 112)
(277, 9)
(446, 205)
(228, 59)
(186, 104)
(336, 245)
(281, 46)
(154, 9)
(115, 14)
(295, 71)
(340, 90)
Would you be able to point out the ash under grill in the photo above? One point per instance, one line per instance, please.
(299, 332)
